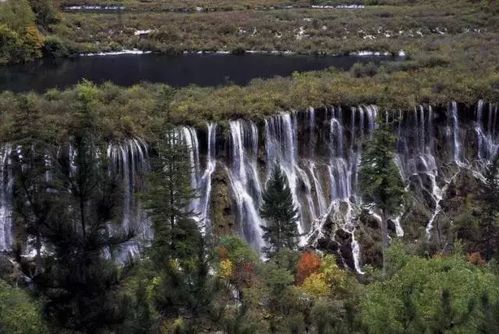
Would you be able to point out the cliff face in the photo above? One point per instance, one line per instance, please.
(441, 153)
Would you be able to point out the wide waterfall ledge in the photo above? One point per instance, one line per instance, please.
(319, 151)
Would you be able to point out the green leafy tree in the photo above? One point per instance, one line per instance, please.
(380, 180)
(430, 296)
(279, 212)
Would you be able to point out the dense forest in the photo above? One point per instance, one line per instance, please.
(337, 201)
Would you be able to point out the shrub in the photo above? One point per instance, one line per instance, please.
(359, 70)
(55, 47)
(428, 296)
(18, 313)
(9, 43)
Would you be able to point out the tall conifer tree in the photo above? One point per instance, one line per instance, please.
(32, 143)
(177, 251)
(380, 180)
(280, 214)
(74, 198)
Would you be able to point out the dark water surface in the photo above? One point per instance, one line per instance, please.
(178, 71)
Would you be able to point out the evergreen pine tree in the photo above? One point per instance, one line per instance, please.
(177, 251)
(168, 195)
(380, 179)
(78, 283)
(280, 214)
(33, 200)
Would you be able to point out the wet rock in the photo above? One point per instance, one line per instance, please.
(344, 240)
(7, 268)
(223, 218)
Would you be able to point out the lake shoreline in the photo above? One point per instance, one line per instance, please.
(200, 68)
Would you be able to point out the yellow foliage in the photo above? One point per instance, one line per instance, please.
(226, 269)
(33, 37)
(329, 279)
(334, 275)
(316, 285)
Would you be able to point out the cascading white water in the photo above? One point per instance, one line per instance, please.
(416, 156)
(281, 148)
(245, 181)
(205, 180)
(201, 179)
(190, 139)
(322, 206)
(344, 167)
(319, 153)
(6, 193)
(341, 168)
(130, 160)
(487, 141)
(456, 137)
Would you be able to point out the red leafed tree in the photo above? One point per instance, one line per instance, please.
(308, 264)
(244, 274)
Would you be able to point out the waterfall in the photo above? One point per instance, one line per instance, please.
(312, 132)
(200, 178)
(6, 199)
(319, 151)
(356, 254)
(282, 151)
(189, 137)
(205, 181)
(322, 206)
(245, 181)
(341, 170)
(130, 160)
(487, 142)
(416, 158)
(457, 148)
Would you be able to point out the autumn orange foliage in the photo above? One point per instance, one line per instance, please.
(244, 274)
(476, 259)
(308, 264)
